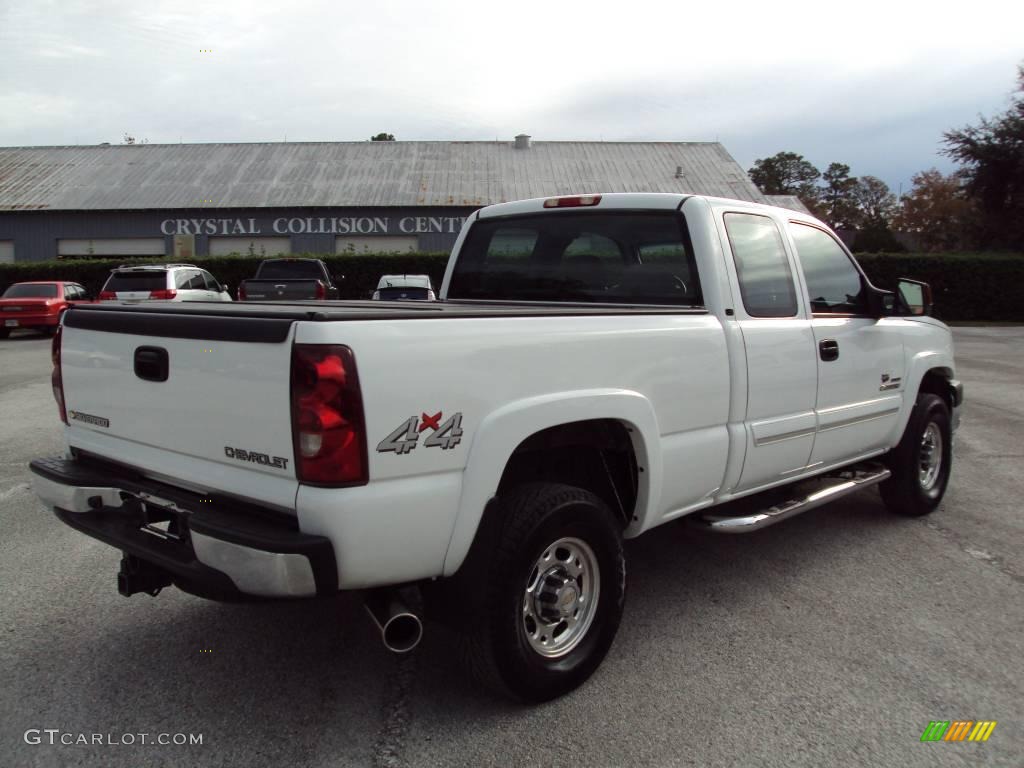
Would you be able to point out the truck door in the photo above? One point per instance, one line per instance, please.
(782, 376)
(859, 357)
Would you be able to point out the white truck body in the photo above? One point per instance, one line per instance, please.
(718, 404)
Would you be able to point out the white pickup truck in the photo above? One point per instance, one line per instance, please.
(597, 366)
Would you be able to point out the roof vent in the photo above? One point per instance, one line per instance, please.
(679, 172)
(523, 141)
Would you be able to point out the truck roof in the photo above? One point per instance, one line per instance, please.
(622, 201)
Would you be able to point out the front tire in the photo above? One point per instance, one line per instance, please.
(553, 593)
(922, 461)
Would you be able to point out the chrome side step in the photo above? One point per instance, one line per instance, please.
(830, 488)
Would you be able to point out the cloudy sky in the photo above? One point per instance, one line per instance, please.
(873, 85)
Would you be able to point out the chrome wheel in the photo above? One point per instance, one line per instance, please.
(930, 459)
(562, 590)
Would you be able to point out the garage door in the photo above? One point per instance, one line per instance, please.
(6, 251)
(350, 244)
(112, 246)
(250, 246)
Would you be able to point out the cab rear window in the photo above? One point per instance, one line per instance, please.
(31, 292)
(616, 258)
(136, 281)
(296, 270)
(389, 294)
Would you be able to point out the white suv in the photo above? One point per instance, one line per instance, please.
(167, 282)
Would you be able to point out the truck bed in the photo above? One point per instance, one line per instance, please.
(270, 321)
(339, 310)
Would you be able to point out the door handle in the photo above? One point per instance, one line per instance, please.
(828, 349)
(151, 363)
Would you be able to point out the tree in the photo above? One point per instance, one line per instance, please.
(936, 211)
(992, 155)
(877, 205)
(787, 173)
(838, 199)
(875, 201)
(383, 137)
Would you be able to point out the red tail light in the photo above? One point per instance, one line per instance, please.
(241, 292)
(327, 416)
(107, 296)
(579, 201)
(56, 380)
(321, 290)
(165, 294)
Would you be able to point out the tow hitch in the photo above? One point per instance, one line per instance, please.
(140, 576)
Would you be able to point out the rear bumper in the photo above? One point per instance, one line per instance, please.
(213, 547)
(26, 320)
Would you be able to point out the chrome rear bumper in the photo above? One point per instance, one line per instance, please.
(208, 546)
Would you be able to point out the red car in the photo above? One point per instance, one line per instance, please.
(38, 305)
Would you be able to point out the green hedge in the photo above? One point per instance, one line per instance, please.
(967, 286)
(355, 276)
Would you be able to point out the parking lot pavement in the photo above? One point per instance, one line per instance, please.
(831, 639)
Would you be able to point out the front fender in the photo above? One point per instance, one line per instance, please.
(917, 368)
(503, 430)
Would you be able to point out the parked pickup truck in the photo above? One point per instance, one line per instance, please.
(597, 366)
(288, 280)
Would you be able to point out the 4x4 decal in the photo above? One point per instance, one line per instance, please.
(445, 435)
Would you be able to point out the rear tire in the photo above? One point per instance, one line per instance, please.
(4, 333)
(922, 461)
(553, 590)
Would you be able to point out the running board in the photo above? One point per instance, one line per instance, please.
(835, 486)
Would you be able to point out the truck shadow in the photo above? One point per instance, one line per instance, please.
(289, 681)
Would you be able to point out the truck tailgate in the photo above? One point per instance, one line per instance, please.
(204, 398)
(259, 289)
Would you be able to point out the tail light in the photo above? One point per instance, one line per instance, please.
(327, 416)
(56, 380)
(165, 294)
(107, 296)
(578, 201)
(241, 291)
(321, 290)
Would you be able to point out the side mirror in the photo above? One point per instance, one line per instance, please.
(915, 297)
(880, 303)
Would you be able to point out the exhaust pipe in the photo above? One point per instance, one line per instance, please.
(400, 628)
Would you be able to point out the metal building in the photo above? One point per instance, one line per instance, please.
(184, 200)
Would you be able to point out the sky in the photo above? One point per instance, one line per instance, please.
(871, 84)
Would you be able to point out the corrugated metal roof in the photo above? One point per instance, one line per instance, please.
(792, 202)
(380, 173)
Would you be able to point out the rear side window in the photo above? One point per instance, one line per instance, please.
(189, 280)
(613, 258)
(143, 280)
(833, 282)
(766, 281)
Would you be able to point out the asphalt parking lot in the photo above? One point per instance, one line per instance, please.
(831, 639)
